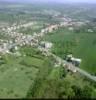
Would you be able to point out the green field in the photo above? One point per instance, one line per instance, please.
(81, 45)
(17, 74)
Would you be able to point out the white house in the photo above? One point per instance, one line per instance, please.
(90, 30)
(75, 61)
(46, 45)
(16, 48)
(43, 30)
(70, 28)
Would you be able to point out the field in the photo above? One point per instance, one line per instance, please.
(81, 45)
(19, 73)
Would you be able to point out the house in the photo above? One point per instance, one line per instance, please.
(74, 61)
(70, 28)
(46, 45)
(70, 67)
(16, 48)
(43, 30)
(90, 30)
(68, 57)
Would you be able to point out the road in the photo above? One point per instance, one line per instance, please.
(86, 74)
(70, 66)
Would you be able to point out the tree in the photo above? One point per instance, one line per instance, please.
(63, 72)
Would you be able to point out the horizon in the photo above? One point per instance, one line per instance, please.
(50, 1)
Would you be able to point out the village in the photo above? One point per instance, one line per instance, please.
(47, 49)
(20, 39)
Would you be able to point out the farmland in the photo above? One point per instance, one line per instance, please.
(19, 76)
(81, 45)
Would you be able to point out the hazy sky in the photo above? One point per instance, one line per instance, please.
(77, 1)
